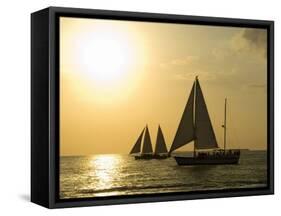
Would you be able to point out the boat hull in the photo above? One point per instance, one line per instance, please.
(144, 157)
(149, 157)
(161, 157)
(208, 160)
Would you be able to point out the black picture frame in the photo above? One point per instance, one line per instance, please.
(45, 106)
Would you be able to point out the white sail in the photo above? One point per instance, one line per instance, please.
(147, 146)
(160, 147)
(205, 136)
(185, 132)
(137, 147)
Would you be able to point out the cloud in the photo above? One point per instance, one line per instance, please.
(232, 62)
(251, 40)
(190, 75)
(220, 54)
(259, 86)
(180, 62)
(187, 68)
(184, 61)
(256, 38)
(262, 87)
(209, 67)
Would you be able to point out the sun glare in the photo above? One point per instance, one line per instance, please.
(105, 168)
(105, 57)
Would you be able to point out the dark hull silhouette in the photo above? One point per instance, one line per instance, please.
(144, 157)
(216, 158)
(149, 157)
(159, 157)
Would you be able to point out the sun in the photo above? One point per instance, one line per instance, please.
(104, 59)
(105, 56)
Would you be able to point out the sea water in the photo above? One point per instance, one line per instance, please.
(114, 174)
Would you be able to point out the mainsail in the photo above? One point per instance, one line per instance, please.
(185, 132)
(195, 124)
(160, 147)
(147, 146)
(137, 147)
(205, 135)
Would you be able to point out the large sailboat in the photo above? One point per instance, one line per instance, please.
(161, 151)
(196, 126)
(143, 141)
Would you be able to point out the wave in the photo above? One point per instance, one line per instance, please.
(167, 187)
(135, 187)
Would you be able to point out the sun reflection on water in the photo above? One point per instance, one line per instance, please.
(105, 170)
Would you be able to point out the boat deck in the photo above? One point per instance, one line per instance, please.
(210, 158)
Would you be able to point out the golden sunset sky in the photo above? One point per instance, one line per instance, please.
(118, 76)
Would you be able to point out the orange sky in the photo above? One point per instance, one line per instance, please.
(118, 76)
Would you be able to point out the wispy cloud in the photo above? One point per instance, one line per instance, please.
(190, 75)
(255, 37)
(206, 67)
(253, 40)
(185, 61)
(233, 61)
(186, 68)
(259, 86)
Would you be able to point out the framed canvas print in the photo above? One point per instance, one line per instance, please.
(139, 107)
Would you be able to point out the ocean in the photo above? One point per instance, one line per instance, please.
(113, 174)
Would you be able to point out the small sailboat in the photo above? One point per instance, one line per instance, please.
(143, 140)
(161, 151)
(195, 125)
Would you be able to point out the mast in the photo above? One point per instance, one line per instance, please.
(194, 152)
(194, 108)
(224, 126)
